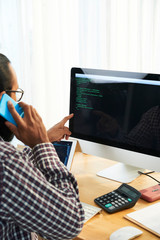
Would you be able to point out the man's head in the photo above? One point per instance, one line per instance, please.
(8, 81)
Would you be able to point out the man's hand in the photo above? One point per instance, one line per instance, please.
(30, 129)
(59, 131)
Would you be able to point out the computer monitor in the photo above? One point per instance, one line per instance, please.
(117, 116)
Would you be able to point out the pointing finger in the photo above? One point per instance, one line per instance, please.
(65, 119)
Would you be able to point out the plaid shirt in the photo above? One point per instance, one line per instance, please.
(37, 194)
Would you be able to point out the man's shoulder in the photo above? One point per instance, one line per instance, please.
(13, 157)
(7, 148)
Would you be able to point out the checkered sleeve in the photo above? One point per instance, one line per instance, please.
(41, 195)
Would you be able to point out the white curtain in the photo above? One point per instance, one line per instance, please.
(45, 38)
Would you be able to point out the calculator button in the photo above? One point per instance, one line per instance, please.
(108, 205)
(129, 200)
(111, 208)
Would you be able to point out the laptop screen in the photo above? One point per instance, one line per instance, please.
(65, 150)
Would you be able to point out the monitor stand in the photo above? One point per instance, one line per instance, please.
(120, 172)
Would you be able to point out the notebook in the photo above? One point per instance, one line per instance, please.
(147, 218)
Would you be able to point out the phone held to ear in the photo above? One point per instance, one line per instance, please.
(4, 111)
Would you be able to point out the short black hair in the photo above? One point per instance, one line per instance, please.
(5, 74)
(5, 84)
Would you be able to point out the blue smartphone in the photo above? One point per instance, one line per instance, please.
(4, 111)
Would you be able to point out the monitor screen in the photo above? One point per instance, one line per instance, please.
(115, 108)
(120, 109)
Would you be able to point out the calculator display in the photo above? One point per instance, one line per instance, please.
(128, 192)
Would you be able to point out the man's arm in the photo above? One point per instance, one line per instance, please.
(46, 201)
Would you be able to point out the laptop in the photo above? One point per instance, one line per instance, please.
(65, 150)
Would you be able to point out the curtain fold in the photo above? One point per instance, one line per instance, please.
(45, 38)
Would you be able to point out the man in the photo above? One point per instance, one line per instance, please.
(37, 193)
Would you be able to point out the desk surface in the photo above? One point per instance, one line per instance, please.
(100, 227)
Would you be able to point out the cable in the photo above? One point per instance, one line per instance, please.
(147, 174)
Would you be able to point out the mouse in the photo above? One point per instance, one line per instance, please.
(125, 233)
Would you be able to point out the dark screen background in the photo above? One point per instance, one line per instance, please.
(111, 113)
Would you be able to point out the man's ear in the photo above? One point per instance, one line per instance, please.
(1, 94)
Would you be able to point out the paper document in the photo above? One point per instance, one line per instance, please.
(147, 218)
